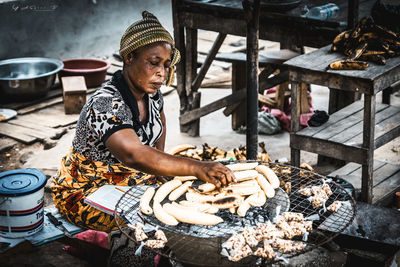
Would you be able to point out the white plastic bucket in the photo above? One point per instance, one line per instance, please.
(21, 202)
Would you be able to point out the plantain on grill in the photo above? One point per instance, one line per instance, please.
(366, 42)
(348, 64)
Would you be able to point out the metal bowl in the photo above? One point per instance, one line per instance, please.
(27, 78)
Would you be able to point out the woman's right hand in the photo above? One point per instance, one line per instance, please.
(214, 172)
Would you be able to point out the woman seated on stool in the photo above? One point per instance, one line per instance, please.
(120, 134)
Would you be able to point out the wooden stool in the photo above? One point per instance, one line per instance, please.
(272, 63)
(74, 93)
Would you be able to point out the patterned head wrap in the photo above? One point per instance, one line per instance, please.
(146, 31)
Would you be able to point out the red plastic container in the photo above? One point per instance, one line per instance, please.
(94, 70)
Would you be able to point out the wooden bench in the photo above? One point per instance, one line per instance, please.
(272, 63)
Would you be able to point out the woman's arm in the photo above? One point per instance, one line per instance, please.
(160, 144)
(127, 148)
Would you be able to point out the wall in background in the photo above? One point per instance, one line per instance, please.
(71, 28)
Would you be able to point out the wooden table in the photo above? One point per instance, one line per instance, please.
(352, 133)
(229, 17)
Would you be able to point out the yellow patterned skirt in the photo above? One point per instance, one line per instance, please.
(78, 177)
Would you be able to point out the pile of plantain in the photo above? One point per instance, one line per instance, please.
(214, 153)
(366, 42)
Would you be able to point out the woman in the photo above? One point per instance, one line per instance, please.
(120, 134)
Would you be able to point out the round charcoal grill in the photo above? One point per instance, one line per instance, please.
(201, 245)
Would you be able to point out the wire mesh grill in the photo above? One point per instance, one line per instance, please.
(201, 245)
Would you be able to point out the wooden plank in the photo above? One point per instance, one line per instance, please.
(266, 100)
(231, 108)
(329, 149)
(333, 119)
(346, 169)
(48, 103)
(216, 63)
(391, 124)
(6, 143)
(304, 106)
(35, 130)
(381, 174)
(295, 124)
(281, 95)
(58, 119)
(385, 191)
(340, 126)
(18, 133)
(271, 28)
(238, 83)
(319, 59)
(195, 85)
(252, 14)
(386, 179)
(45, 104)
(179, 37)
(357, 128)
(190, 59)
(222, 81)
(73, 84)
(200, 112)
(241, 58)
(331, 80)
(273, 81)
(205, 45)
(190, 75)
(355, 170)
(74, 94)
(57, 91)
(33, 125)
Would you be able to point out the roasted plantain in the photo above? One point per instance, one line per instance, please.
(348, 64)
(363, 26)
(340, 40)
(358, 51)
(373, 52)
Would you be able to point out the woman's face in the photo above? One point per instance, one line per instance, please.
(148, 67)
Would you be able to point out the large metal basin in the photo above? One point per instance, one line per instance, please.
(28, 78)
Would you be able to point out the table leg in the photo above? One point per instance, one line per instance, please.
(239, 83)
(386, 95)
(179, 37)
(252, 12)
(295, 121)
(339, 99)
(368, 143)
(191, 71)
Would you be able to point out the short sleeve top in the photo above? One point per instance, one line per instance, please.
(110, 109)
